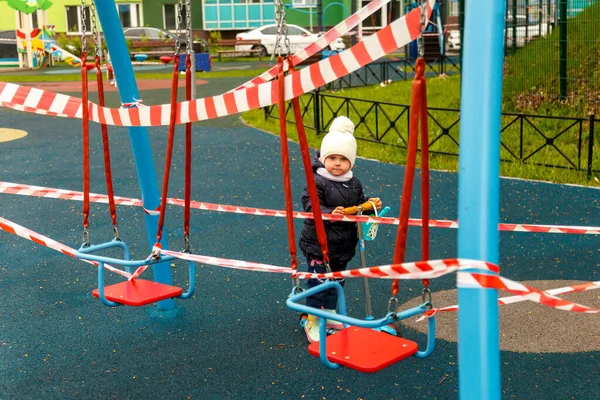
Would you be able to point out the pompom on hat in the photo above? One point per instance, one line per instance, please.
(340, 140)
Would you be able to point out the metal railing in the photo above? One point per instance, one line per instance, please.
(529, 139)
(392, 69)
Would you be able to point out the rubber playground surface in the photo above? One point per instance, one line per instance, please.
(235, 338)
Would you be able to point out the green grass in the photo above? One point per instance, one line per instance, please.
(532, 76)
(444, 93)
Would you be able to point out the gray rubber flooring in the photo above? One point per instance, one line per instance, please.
(235, 338)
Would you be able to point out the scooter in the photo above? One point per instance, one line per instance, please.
(371, 234)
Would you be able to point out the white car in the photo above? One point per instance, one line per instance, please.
(298, 36)
(453, 40)
(525, 32)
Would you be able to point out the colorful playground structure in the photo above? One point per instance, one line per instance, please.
(357, 346)
(42, 43)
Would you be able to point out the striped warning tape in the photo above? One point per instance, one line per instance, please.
(334, 33)
(397, 34)
(517, 299)
(39, 191)
(412, 270)
(16, 229)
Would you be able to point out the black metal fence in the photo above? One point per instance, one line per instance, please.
(530, 139)
(391, 69)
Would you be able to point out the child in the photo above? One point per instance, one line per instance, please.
(337, 188)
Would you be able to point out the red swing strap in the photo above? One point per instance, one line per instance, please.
(104, 128)
(188, 152)
(188, 127)
(310, 177)
(85, 128)
(285, 165)
(105, 143)
(86, 145)
(418, 115)
(170, 141)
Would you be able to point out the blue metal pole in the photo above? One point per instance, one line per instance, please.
(478, 200)
(138, 136)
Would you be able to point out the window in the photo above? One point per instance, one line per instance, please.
(74, 22)
(129, 14)
(292, 30)
(135, 33)
(170, 15)
(271, 30)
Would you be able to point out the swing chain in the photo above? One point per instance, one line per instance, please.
(426, 296)
(392, 304)
(282, 41)
(83, 27)
(116, 232)
(421, 39)
(86, 237)
(179, 19)
(188, 26)
(327, 267)
(186, 244)
(95, 31)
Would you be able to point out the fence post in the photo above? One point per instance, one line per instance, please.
(317, 111)
(266, 111)
(562, 24)
(590, 147)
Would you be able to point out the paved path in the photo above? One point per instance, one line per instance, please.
(235, 339)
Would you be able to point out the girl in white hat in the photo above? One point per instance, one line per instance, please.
(337, 189)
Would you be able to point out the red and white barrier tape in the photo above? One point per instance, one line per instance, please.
(334, 33)
(517, 299)
(397, 34)
(476, 280)
(39, 191)
(16, 229)
(414, 270)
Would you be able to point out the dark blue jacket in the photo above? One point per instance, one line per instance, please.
(342, 237)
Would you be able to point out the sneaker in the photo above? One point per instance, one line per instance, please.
(311, 327)
(332, 323)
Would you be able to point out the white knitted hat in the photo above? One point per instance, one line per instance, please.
(340, 140)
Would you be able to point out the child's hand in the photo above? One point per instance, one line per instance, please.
(376, 201)
(338, 211)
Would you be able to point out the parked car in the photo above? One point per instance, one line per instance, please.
(453, 40)
(526, 28)
(148, 33)
(8, 44)
(267, 34)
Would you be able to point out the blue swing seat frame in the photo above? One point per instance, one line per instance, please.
(86, 252)
(292, 302)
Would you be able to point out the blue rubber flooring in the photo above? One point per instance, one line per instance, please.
(235, 338)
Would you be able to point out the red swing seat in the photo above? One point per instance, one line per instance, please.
(139, 292)
(365, 349)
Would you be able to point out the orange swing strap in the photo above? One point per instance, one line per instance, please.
(418, 119)
(310, 176)
(285, 165)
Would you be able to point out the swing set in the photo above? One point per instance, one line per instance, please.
(134, 291)
(361, 345)
(345, 347)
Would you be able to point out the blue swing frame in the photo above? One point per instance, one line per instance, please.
(292, 302)
(85, 252)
